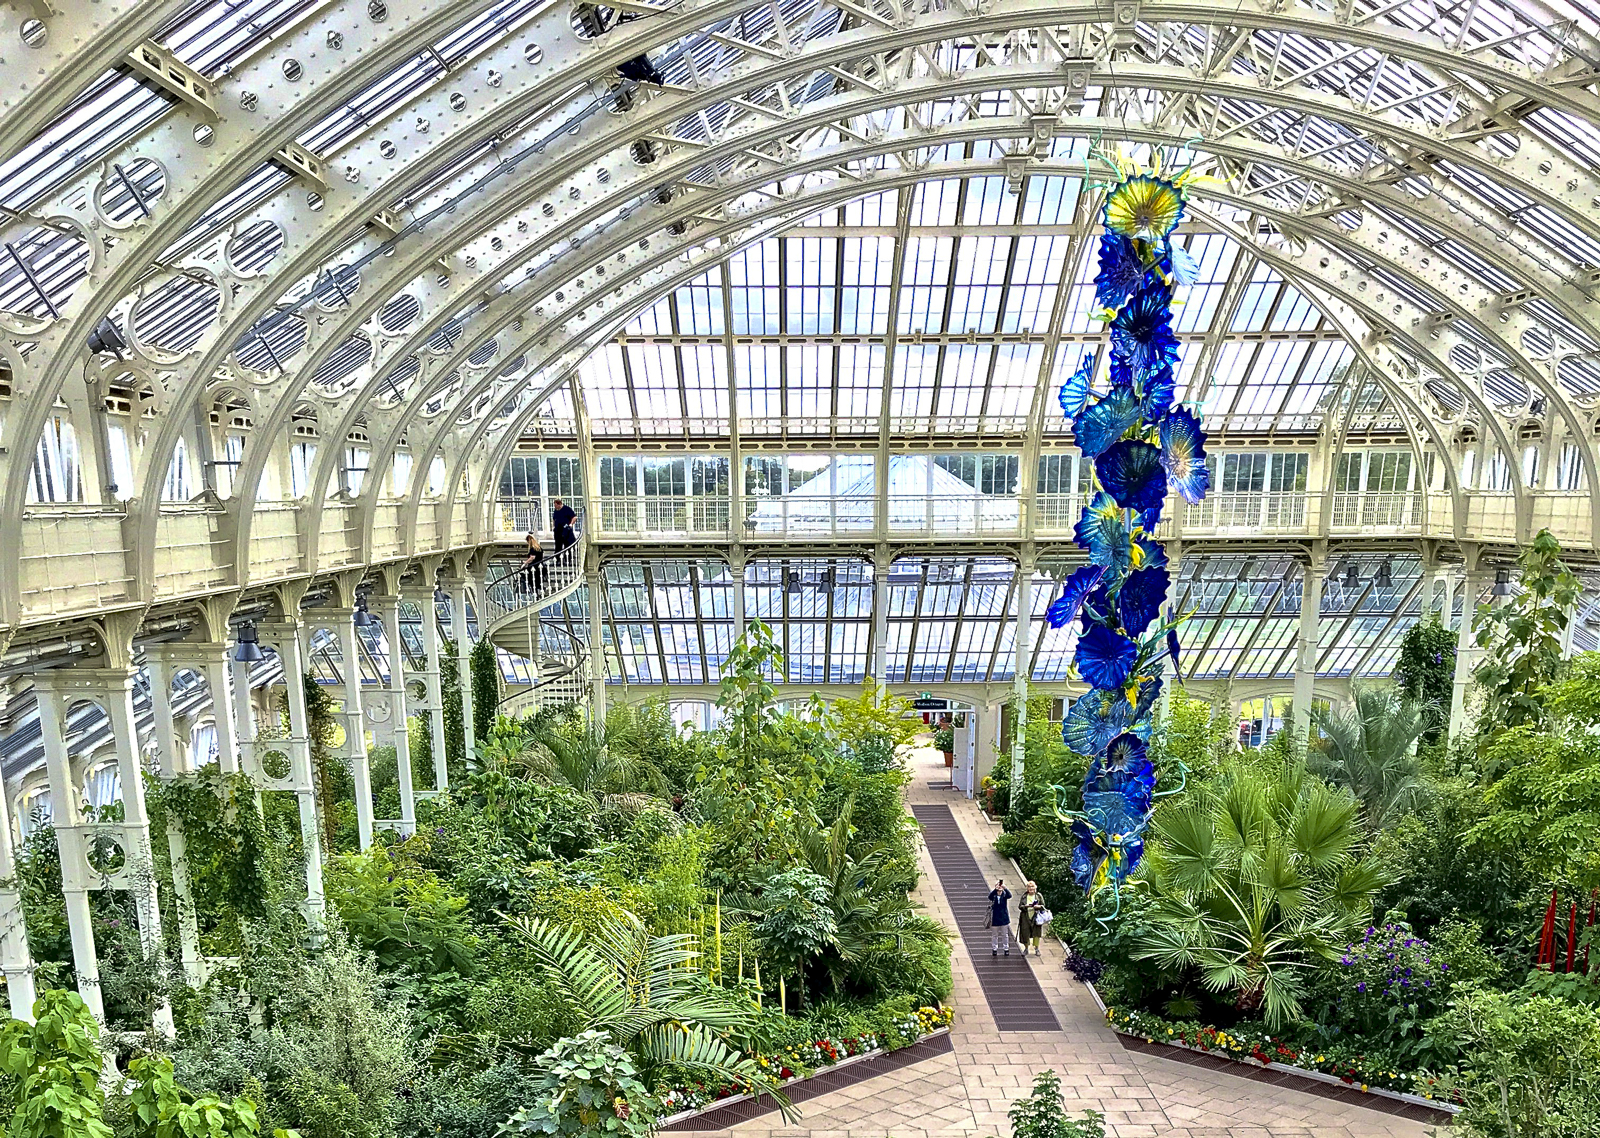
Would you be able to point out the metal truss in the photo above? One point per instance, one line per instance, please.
(473, 239)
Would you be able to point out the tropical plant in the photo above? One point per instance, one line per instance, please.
(875, 713)
(586, 1084)
(1043, 1115)
(160, 1108)
(485, 669)
(54, 1067)
(1255, 877)
(1533, 1066)
(581, 756)
(649, 998)
(1426, 668)
(1522, 638)
(1371, 749)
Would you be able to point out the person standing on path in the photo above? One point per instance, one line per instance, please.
(999, 919)
(1028, 927)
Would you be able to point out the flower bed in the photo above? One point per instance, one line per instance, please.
(1245, 1043)
(801, 1061)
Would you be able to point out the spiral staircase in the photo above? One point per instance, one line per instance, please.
(557, 662)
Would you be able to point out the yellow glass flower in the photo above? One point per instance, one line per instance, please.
(1144, 207)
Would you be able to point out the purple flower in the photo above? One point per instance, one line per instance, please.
(1362, 987)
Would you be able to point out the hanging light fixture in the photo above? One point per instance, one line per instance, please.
(249, 650)
(825, 582)
(438, 596)
(361, 618)
(1352, 579)
(1502, 583)
(794, 582)
(1383, 579)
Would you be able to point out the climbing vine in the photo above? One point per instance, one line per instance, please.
(225, 844)
(485, 688)
(455, 737)
(1426, 668)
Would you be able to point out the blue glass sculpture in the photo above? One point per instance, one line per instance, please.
(1139, 445)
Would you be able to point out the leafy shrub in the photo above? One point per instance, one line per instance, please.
(1084, 969)
(1043, 1115)
(586, 1085)
(1385, 987)
(1532, 1066)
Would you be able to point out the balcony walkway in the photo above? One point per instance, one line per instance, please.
(966, 1094)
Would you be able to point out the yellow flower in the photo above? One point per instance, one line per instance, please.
(1144, 207)
(1363, 1088)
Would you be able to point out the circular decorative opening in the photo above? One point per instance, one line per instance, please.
(377, 11)
(105, 855)
(204, 135)
(276, 765)
(254, 247)
(292, 71)
(532, 52)
(458, 101)
(131, 189)
(248, 100)
(417, 691)
(314, 201)
(386, 148)
(34, 33)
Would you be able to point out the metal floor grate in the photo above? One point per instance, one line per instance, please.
(1015, 999)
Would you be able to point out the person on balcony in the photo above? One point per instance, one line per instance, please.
(533, 571)
(562, 519)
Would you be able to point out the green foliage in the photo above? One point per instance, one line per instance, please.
(797, 920)
(485, 667)
(944, 739)
(54, 1068)
(455, 735)
(646, 996)
(1255, 876)
(1370, 749)
(1043, 1115)
(586, 1085)
(1522, 638)
(1426, 667)
(159, 1108)
(225, 841)
(875, 715)
(1533, 1066)
(401, 911)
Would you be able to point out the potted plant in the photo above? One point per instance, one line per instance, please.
(944, 739)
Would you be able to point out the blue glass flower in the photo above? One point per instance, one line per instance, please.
(1106, 420)
(1094, 720)
(1125, 751)
(1156, 392)
(1131, 472)
(1102, 533)
(1105, 657)
(1064, 609)
(1075, 391)
(1140, 599)
(1183, 453)
(1141, 334)
(1149, 692)
(1122, 271)
(1152, 554)
(1173, 651)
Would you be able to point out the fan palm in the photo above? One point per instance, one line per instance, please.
(583, 757)
(1254, 877)
(1371, 749)
(646, 993)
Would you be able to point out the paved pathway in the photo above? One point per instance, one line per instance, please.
(966, 1094)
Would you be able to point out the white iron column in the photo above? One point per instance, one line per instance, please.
(388, 610)
(161, 661)
(112, 689)
(595, 582)
(736, 564)
(66, 816)
(340, 622)
(457, 590)
(1024, 657)
(1307, 646)
(15, 961)
(880, 615)
(1467, 651)
(284, 637)
(427, 607)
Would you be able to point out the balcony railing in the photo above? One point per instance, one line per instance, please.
(513, 588)
(1276, 513)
